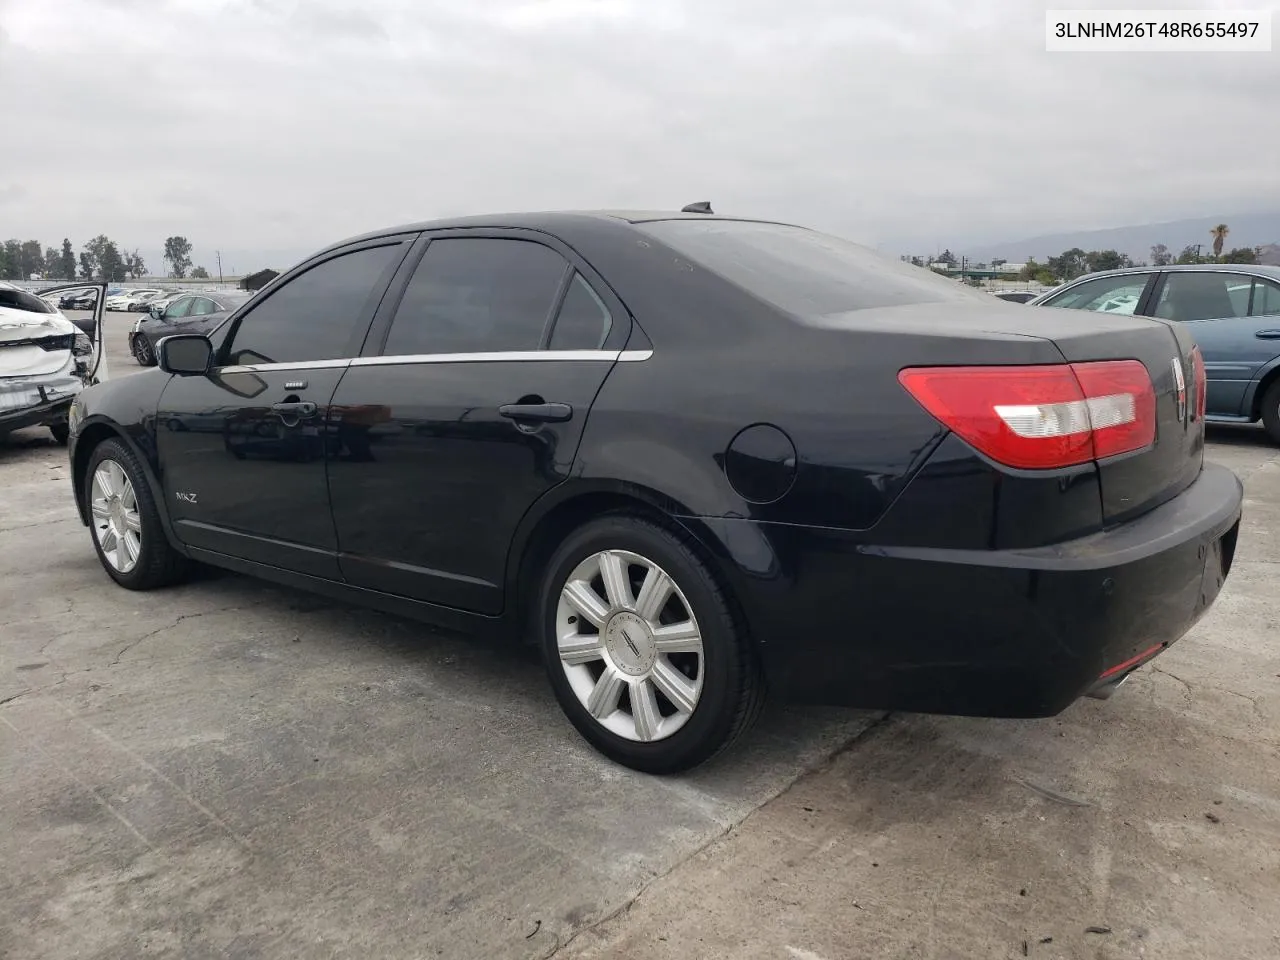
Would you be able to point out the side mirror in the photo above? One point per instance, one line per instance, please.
(156, 312)
(187, 355)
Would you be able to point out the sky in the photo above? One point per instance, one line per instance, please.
(269, 128)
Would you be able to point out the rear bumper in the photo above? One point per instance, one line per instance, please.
(1016, 633)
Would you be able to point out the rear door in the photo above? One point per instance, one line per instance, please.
(242, 450)
(468, 406)
(1215, 308)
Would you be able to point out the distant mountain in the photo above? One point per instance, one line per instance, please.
(1247, 230)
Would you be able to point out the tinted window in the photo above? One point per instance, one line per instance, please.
(314, 315)
(477, 295)
(1104, 295)
(802, 271)
(1201, 296)
(583, 321)
(21, 300)
(1266, 298)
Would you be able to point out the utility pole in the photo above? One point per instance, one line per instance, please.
(218, 254)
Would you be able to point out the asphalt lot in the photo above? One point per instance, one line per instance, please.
(233, 769)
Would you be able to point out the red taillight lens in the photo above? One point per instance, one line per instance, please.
(1202, 382)
(1042, 417)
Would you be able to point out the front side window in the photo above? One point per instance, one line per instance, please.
(1120, 294)
(315, 314)
(1202, 296)
(179, 308)
(477, 295)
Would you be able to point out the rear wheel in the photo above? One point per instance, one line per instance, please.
(1271, 411)
(127, 535)
(642, 648)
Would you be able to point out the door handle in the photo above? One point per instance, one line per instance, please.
(302, 409)
(1268, 334)
(540, 412)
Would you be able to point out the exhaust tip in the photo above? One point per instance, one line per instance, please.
(1106, 689)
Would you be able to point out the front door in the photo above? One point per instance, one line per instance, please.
(242, 450)
(470, 412)
(1224, 312)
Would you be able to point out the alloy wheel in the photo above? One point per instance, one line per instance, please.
(142, 350)
(630, 645)
(117, 525)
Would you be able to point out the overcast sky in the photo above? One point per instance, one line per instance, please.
(268, 128)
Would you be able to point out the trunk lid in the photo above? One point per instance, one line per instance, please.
(1137, 482)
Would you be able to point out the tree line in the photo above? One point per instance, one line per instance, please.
(100, 259)
(1076, 262)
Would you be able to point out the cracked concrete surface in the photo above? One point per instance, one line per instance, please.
(232, 769)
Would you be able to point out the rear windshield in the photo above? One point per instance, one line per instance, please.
(21, 300)
(801, 271)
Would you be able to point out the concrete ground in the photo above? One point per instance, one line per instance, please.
(233, 769)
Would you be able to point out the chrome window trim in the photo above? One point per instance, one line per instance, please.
(506, 356)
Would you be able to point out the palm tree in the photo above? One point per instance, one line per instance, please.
(1219, 234)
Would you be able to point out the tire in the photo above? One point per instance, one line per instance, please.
(1271, 411)
(154, 561)
(61, 431)
(696, 702)
(140, 347)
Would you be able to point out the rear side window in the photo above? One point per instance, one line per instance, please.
(583, 322)
(1266, 298)
(477, 295)
(1203, 296)
(804, 272)
(314, 315)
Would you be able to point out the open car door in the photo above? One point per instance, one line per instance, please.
(90, 325)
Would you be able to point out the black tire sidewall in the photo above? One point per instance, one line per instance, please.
(723, 659)
(152, 539)
(1271, 411)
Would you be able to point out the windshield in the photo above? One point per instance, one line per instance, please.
(802, 271)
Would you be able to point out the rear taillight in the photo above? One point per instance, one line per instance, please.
(1202, 382)
(1042, 417)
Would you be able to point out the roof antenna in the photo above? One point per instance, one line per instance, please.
(702, 206)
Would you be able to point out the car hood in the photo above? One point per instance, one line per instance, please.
(21, 354)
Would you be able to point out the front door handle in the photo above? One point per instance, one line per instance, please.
(1268, 334)
(301, 409)
(540, 412)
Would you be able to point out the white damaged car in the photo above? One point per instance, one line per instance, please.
(45, 361)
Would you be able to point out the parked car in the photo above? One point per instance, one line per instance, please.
(185, 313)
(133, 300)
(686, 455)
(79, 299)
(1231, 310)
(44, 362)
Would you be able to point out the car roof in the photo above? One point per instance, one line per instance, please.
(1261, 269)
(547, 220)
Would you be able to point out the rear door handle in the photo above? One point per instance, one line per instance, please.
(302, 409)
(540, 412)
(1268, 334)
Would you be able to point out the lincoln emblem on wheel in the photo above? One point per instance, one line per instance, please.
(689, 457)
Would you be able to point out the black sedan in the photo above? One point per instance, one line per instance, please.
(190, 313)
(687, 456)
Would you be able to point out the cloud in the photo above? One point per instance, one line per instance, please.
(253, 125)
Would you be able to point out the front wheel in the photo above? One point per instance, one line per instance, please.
(643, 649)
(142, 352)
(127, 535)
